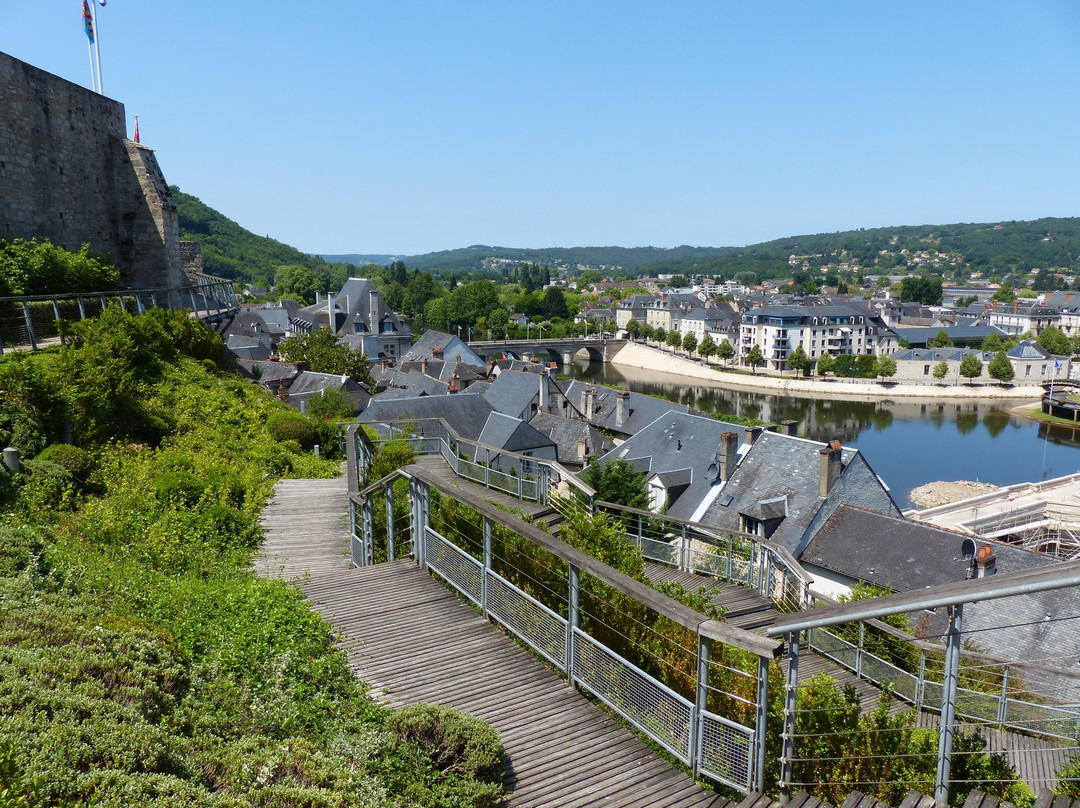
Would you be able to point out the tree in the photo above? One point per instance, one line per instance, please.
(865, 366)
(845, 365)
(755, 358)
(617, 481)
(297, 283)
(886, 367)
(498, 321)
(971, 367)
(633, 329)
(659, 335)
(725, 350)
(707, 348)
(1005, 294)
(798, 361)
(322, 353)
(921, 289)
(991, 343)
(1001, 368)
(555, 302)
(940, 340)
(826, 363)
(1055, 341)
(673, 340)
(941, 370)
(689, 342)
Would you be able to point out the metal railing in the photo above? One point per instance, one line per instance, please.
(36, 321)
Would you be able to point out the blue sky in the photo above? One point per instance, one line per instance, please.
(407, 127)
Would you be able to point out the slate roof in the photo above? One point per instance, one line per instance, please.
(642, 410)
(780, 466)
(512, 434)
(963, 333)
(269, 371)
(1029, 349)
(449, 346)
(904, 555)
(564, 432)
(512, 393)
(353, 312)
(678, 440)
(466, 414)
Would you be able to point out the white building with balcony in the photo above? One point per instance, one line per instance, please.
(778, 330)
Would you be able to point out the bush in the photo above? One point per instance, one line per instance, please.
(292, 426)
(79, 463)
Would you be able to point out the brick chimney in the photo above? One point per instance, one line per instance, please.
(751, 434)
(622, 407)
(729, 454)
(790, 428)
(829, 467)
(423, 365)
(453, 388)
(985, 562)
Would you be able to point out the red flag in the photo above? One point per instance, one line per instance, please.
(136, 138)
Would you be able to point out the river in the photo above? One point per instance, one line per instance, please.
(908, 443)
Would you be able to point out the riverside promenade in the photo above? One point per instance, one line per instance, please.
(640, 356)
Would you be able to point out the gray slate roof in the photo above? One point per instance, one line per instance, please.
(678, 441)
(512, 434)
(466, 414)
(564, 432)
(643, 409)
(449, 346)
(513, 393)
(781, 466)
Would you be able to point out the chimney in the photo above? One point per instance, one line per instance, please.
(790, 428)
(423, 366)
(829, 467)
(331, 319)
(582, 450)
(622, 408)
(751, 434)
(544, 393)
(453, 388)
(590, 403)
(300, 366)
(729, 454)
(318, 297)
(373, 311)
(985, 562)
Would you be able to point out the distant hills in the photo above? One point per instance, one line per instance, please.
(231, 251)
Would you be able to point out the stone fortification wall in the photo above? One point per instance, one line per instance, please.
(68, 174)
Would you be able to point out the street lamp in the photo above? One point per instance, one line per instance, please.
(540, 328)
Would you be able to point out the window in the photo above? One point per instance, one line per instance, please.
(926, 370)
(1027, 370)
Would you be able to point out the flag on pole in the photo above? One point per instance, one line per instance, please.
(87, 21)
(1057, 365)
(136, 138)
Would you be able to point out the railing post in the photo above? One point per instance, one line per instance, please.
(420, 504)
(684, 550)
(487, 476)
(194, 305)
(791, 696)
(356, 549)
(920, 686)
(701, 703)
(56, 309)
(29, 325)
(82, 308)
(485, 577)
(388, 490)
(760, 726)
(859, 649)
(730, 555)
(640, 536)
(1003, 707)
(573, 619)
(367, 526)
(948, 703)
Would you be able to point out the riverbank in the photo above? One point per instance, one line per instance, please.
(639, 355)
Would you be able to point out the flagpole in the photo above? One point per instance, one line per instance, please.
(93, 76)
(97, 44)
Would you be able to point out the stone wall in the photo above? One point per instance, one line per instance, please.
(68, 174)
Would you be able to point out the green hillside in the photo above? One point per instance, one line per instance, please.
(231, 251)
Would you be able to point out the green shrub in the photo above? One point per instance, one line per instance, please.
(79, 463)
(44, 485)
(178, 488)
(287, 426)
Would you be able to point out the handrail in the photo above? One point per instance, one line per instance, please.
(113, 293)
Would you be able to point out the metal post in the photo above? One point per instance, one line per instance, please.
(573, 619)
(920, 686)
(791, 693)
(82, 308)
(388, 492)
(123, 305)
(56, 309)
(730, 555)
(684, 550)
(760, 726)
(367, 526)
(701, 702)
(485, 578)
(948, 703)
(859, 649)
(194, 305)
(1003, 707)
(423, 508)
(355, 548)
(29, 325)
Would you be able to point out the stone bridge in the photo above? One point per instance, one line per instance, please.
(561, 350)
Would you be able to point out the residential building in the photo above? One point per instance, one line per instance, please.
(778, 330)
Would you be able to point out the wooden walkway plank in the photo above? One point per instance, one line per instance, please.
(411, 639)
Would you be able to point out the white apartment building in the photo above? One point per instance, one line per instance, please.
(777, 330)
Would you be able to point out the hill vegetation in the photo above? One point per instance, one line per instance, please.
(141, 661)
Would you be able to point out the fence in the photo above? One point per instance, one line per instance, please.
(31, 322)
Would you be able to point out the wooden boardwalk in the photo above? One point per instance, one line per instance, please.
(412, 641)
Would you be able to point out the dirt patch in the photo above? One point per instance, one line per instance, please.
(942, 493)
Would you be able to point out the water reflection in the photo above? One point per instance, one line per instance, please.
(907, 442)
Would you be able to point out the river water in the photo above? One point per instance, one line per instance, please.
(908, 443)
